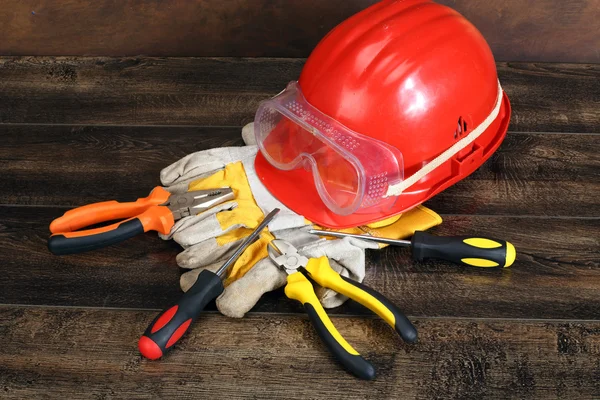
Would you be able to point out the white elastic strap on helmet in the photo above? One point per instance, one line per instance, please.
(396, 190)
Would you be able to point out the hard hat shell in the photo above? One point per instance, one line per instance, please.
(414, 74)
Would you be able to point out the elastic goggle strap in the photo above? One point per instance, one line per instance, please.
(397, 189)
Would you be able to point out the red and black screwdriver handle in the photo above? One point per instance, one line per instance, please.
(143, 215)
(173, 322)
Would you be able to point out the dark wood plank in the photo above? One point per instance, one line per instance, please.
(74, 165)
(75, 353)
(531, 87)
(226, 92)
(531, 174)
(556, 275)
(544, 30)
(139, 91)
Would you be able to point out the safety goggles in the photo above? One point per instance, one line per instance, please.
(352, 172)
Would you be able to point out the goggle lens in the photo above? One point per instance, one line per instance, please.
(350, 171)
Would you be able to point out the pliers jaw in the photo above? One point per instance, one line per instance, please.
(196, 201)
(286, 256)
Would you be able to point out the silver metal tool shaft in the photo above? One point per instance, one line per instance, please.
(391, 242)
(247, 242)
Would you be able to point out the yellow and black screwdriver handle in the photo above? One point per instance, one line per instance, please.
(301, 289)
(464, 250)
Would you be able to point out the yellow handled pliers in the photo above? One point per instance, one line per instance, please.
(303, 271)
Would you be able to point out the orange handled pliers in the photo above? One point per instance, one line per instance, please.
(157, 212)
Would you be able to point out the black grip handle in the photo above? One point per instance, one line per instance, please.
(172, 323)
(354, 363)
(400, 322)
(71, 243)
(463, 250)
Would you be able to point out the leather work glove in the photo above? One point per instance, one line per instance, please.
(210, 238)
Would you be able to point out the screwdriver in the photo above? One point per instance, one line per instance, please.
(173, 322)
(463, 250)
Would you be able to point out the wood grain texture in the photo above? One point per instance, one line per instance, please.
(139, 91)
(226, 92)
(543, 30)
(76, 131)
(74, 353)
(556, 275)
(531, 174)
(75, 165)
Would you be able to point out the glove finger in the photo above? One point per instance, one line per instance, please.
(248, 134)
(346, 258)
(350, 242)
(203, 228)
(298, 237)
(330, 298)
(348, 262)
(360, 243)
(203, 163)
(241, 295)
(210, 232)
(344, 252)
(189, 167)
(205, 253)
(187, 279)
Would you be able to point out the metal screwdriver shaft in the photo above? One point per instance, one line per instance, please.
(247, 242)
(341, 235)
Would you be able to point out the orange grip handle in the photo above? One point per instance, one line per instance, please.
(96, 213)
(157, 218)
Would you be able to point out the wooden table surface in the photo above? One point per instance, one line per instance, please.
(80, 130)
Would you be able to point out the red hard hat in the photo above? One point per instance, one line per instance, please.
(412, 77)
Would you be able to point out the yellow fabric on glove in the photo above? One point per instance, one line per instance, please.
(253, 254)
(247, 215)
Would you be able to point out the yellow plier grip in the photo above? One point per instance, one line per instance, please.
(299, 288)
(322, 273)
